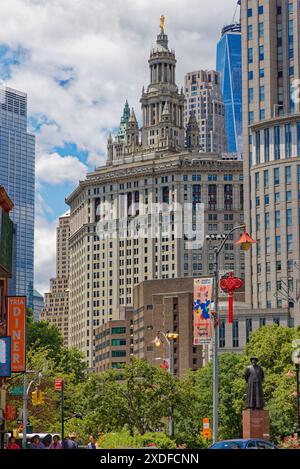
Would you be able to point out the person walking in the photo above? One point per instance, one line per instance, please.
(92, 444)
(70, 442)
(12, 443)
(56, 443)
(36, 443)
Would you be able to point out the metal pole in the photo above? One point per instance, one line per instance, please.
(215, 353)
(171, 360)
(62, 413)
(298, 399)
(25, 401)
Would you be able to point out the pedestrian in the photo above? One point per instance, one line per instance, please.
(36, 443)
(56, 443)
(70, 442)
(47, 441)
(12, 444)
(92, 444)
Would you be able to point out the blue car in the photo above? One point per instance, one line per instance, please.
(253, 443)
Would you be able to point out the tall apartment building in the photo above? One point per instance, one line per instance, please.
(56, 308)
(271, 117)
(17, 173)
(149, 176)
(203, 98)
(229, 65)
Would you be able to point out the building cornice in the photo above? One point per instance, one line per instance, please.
(175, 163)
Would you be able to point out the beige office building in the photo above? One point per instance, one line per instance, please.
(137, 217)
(203, 97)
(56, 308)
(270, 47)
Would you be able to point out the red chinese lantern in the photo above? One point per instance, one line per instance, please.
(229, 285)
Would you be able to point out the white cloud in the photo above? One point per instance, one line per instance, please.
(55, 169)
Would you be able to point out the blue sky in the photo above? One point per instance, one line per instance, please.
(78, 62)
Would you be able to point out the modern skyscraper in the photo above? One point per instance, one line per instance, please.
(229, 65)
(17, 171)
(38, 304)
(203, 98)
(147, 177)
(271, 123)
(56, 308)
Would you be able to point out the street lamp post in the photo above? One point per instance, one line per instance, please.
(296, 361)
(169, 338)
(245, 241)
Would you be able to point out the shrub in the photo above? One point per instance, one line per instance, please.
(161, 440)
(120, 440)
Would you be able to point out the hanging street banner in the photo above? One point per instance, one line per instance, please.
(5, 360)
(16, 324)
(202, 306)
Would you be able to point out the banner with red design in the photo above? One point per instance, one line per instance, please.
(202, 306)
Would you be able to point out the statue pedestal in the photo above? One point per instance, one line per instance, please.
(256, 424)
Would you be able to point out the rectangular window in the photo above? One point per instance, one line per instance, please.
(277, 197)
(276, 176)
(288, 196)
(288, 140)
(251, 95)
(260, 9)
(261, 73)
(248, 328)
(250, 32)
(267, 144)
(290, 7)
(118, 330)
(262, 93)
(257, 147)
(267, 199)
(266, 178)
(267, 220)
(277, 218)
(251, 117)
(222, 334)
(250, 75)
(288, 175)
(289, 242)
(261, 29)
(277, 142)
(235, 334)
(250, 55)
(262, 114)
(261, 52)
(117, 342)
(289, 217)
(278, 244)
(262, 322)
(249, 13)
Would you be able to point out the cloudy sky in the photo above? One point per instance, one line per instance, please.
(78, 60)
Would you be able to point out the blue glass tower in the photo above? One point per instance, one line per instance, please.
(17, 172)
(229, 64)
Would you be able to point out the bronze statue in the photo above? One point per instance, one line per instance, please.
(162, 24)
(254, 376)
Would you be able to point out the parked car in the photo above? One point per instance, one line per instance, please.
(252, 443)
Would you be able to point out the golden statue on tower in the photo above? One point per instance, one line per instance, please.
(162, 24)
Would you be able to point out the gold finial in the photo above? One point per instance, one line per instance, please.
(162, 24)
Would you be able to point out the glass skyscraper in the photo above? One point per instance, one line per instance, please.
(17, 173)
(229, 65)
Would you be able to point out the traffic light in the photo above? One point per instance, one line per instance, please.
(34, 398)
(41, 398)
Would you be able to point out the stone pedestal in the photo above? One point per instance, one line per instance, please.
(256, 424)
